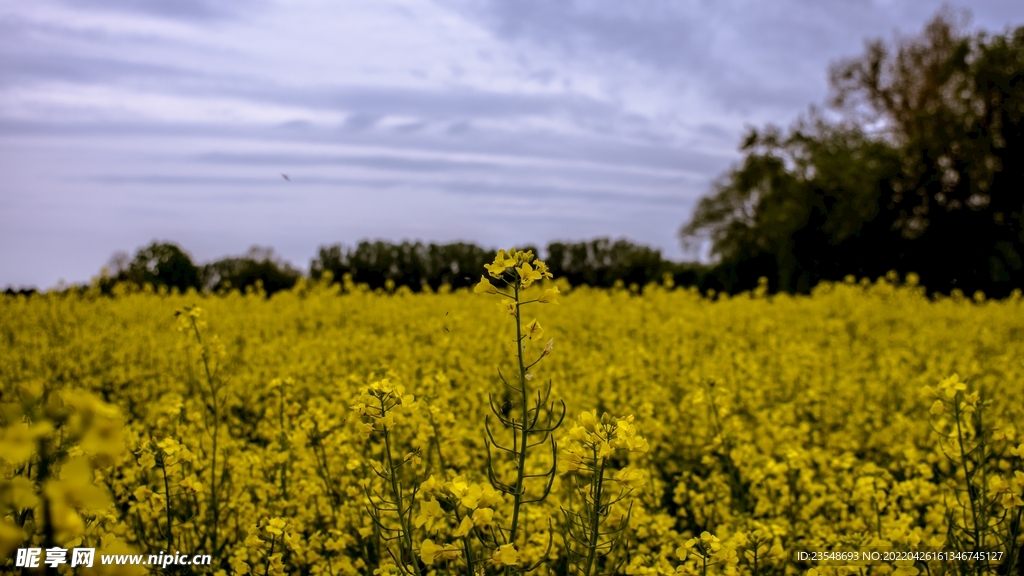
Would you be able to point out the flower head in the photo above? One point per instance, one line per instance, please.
(549, 347)
(508, 307)
(431, 552)
(533, 330)
(549, 296)
(430, 512)
(505, 555)
(952, 385)
(485, 286)
(527, 274)
(501, 263)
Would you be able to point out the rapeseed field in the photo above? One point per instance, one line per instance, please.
(523, 427)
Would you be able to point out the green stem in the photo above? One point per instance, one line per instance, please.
(983, 493)
(167, 504)
(963, 463)
(521, 472)
(437, 443)
(595, 515)
(1013, 553)
(458, 516)
(284, 466)
(408, 554)
(214, 504)
(42, 475)
(269, 554)
(878, 511)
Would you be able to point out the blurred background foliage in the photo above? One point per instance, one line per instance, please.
(379, 264)
(916, 164)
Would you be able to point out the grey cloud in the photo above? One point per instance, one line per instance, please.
(175, 9)
(512, 164)
(483, 176)
(590, 195)
(654, 32)
(456, 108)
(461, 187)
(390, 163)
(176, 180)
(35, 51)
(27, 68)
(444, 103)
(597, 148)
(748, 55)
(459, 127)
(269, 180)
(360, 121)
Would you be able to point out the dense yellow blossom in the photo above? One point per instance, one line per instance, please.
(262, 430)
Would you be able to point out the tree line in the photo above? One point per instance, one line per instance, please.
(601, 262)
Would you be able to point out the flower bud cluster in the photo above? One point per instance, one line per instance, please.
(382, 405)
(592, 439)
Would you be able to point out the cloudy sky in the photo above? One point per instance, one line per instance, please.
(125, 121)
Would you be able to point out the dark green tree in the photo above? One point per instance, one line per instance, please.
(802, 207)
(954, 104)
(601, 262)
(375, 263)
(162, 264)
(331, 259)
(411, 264)
(920, 173)
(258, 267)
(457, 264)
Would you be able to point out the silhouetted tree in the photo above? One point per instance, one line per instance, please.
(954, 104)
(259, 266)
(922, 174)
(160, 264)
(331, 259)
(600, 262)
(800, 208)
(375, 263)
(457, 265)
(411, 264)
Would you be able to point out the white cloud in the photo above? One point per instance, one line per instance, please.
(66, 102)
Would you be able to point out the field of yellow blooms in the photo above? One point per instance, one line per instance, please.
(524, 428)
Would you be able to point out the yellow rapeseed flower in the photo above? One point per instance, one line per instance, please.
(485, 287)
(505, 555)
(508, 307)
(501, 263)
(527, 274)
(549, 296)
(429, 551)
(465, 527)
(533, 330)
(430, 512)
